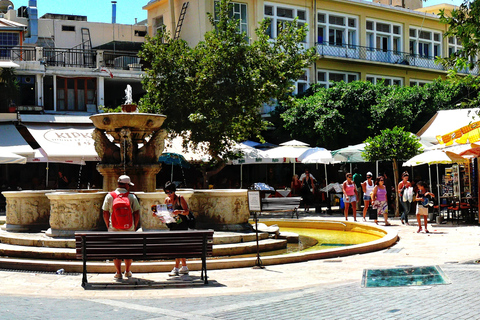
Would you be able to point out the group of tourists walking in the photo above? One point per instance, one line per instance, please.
(375, 197)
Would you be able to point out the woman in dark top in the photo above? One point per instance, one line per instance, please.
(422, 197)
(179, 207)
(307, 189)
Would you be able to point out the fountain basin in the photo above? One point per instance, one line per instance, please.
(148, 199)
(80, 210)
(27, 210)
(221, 209)
(141, 124)
(75, 211)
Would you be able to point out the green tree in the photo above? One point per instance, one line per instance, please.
(464, 24)
(348, 113)
(213, 92)
(392, 145)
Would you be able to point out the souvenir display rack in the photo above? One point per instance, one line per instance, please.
(457, 181)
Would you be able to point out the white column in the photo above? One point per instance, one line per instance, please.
(100, 91)
(39, 89)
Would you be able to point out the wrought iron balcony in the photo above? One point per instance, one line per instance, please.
(17, 53)
(76, 57)
(79, 58)
(380, 55)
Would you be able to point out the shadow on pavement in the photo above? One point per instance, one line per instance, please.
(141, 283)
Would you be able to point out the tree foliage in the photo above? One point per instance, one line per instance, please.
(348, 113)
(213, 92)
(464, 24)
(392, 145)
(9, 88)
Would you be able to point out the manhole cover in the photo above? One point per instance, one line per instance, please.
(409, 276)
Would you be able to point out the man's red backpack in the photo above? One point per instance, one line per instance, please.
(122, 216)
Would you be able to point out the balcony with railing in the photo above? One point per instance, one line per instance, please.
(17, 53)
(380, 55)
(76, 57)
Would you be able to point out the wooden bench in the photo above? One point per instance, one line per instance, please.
(103, 245)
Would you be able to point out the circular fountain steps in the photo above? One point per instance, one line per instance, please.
(36, 251)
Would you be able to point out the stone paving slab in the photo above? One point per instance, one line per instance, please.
(340, 301)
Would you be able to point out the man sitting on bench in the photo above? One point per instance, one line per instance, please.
(121, 212)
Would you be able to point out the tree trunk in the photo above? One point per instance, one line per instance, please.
(395, 185)
(208, 174)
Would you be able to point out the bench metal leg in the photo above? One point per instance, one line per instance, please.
(204, 260)
(204, 268)
(84, 256)
(295, 212)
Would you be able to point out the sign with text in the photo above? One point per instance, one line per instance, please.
(254, 200)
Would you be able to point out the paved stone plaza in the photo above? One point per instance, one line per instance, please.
(321, 289)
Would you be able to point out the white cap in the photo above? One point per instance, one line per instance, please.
(369, 174)
(125, 179)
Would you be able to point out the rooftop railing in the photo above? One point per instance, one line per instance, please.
(79, 58)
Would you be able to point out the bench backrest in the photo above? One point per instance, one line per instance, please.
(143, 245)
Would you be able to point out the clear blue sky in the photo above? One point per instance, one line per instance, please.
(95, 10)
(127, 10)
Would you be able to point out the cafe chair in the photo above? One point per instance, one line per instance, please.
(443, 208)
(453, 210)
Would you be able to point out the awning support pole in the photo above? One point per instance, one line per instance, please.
(438, 192)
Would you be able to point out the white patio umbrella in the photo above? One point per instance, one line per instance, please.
(434, 157)
(350, 153)
(251, 155)
(318, 155)
(285, 154)
(295, 143)
(11, 158)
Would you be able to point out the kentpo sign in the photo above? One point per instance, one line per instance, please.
(69, 136)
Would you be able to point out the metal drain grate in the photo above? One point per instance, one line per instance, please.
(408, 276)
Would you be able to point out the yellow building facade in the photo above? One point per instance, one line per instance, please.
(355, 40)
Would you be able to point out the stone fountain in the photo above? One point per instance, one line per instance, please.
(127, 151)
(127, 143)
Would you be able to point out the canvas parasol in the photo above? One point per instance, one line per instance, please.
(318, 155)
(173, 159)
(11, 158)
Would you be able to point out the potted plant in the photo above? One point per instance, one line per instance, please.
(12, 107)
(129, 107)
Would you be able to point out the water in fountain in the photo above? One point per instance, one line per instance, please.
(128, 95)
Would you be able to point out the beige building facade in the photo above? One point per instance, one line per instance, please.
(355, 39)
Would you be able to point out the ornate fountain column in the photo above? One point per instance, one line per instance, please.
(123, 155)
